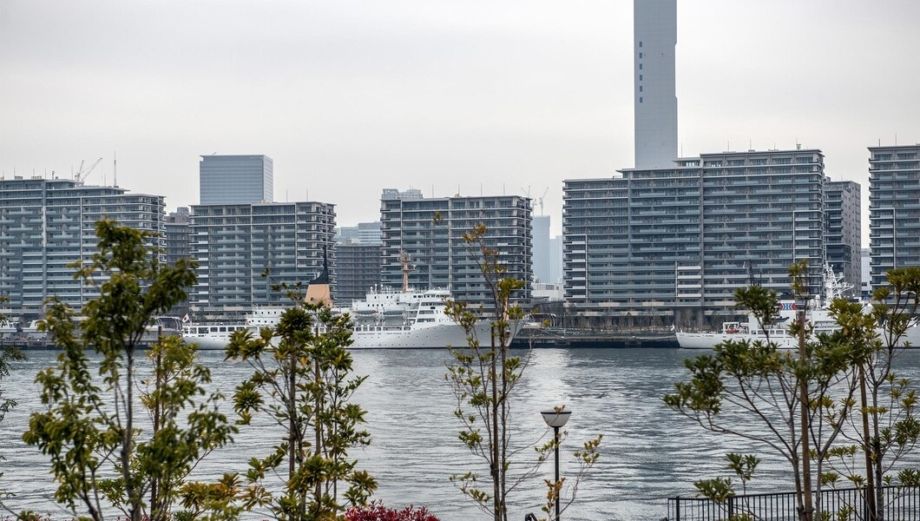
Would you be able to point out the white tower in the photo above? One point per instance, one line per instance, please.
(654, 42)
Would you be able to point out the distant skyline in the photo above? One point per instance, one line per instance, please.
(350, 97)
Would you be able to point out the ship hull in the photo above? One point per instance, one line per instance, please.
(435, 336)
(430, 337)
(710, 340)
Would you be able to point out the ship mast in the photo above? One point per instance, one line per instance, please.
(404, 259)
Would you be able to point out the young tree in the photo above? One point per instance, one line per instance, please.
(886, 428)
(787, 393)
(483, 378)
(90, 427)
(302, 379)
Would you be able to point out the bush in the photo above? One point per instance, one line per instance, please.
(378, 512)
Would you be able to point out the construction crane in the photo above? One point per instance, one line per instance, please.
(81, 174)
(540, 200)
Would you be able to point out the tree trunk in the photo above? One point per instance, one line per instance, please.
(497, 463)
(318, 429)
(134, 501)
(807, 505)
(877, 459)
(868, 447)
(155, 510)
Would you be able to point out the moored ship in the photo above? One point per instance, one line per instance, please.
(817, 315)
(385, 319)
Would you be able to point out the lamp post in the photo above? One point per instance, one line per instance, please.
(556, 418)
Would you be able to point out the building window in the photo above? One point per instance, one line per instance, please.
(640, 66)
(640, 43)
(640, 99)
(640, 55)
(640, 88)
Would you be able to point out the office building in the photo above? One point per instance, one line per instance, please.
(655, 103)
(843, 232)
(541, 248)
(47, 224)
(894, 209)
(659, 247)
(430, 233)
(247, 252)
(235, 179)
(357, 270)
(866, 286)
(363, 233)
(555, 260)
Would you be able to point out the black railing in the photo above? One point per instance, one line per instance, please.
(899, 504)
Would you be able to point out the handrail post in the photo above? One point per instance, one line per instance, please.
(731, 506)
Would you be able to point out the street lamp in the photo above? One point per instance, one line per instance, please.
(556, 419)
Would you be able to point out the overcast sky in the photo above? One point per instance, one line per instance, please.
(349, 97)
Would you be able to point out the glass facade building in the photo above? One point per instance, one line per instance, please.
(235, 179)
(47, 224)
(894, 209)
(246, 252)
(430, 232)
(668, 247)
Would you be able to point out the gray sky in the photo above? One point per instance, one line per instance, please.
(351, 96)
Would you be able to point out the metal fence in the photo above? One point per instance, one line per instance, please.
(900, 504)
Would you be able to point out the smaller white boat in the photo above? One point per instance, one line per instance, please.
(778, 333)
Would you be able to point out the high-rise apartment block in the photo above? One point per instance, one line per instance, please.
(246, 252)
(430, 233)
(842, 234)
(178, 246)
(894, 209)
(178, 235)
(47, 224)
(357, 260)
(357, 270)
(235, 179)
(654, 42)
(664, 246)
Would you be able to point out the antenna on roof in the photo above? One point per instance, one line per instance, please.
(114, 169)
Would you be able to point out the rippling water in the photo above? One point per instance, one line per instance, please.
(648, 453)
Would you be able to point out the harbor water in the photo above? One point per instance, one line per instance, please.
(648, 453)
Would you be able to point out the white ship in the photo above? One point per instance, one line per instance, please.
(385, 319)
(778, 332)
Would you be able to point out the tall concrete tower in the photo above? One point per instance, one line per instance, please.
(654, 42)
